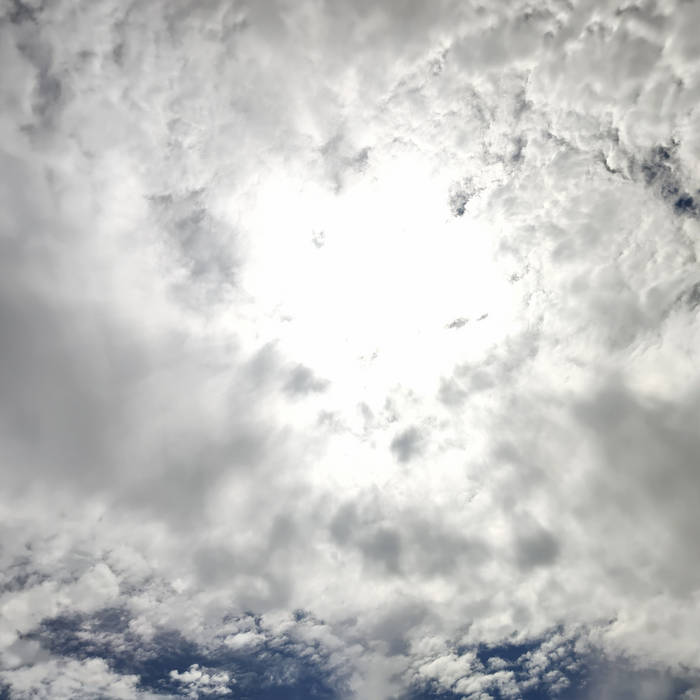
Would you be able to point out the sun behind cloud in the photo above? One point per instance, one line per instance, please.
(349, 350)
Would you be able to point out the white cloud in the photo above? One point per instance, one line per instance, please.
(72, 679)
(367, 331)
(198, 682)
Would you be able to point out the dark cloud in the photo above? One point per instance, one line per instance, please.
(662, 171)
(344, 524)
(686, 204)
(23, 12)
(538, 547)
(382, 546)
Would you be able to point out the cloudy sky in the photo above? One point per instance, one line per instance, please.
(349, 350)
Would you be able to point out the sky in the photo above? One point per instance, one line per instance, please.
(349, 349)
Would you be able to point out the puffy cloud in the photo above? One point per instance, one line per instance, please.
(348, 347)
(197, 682)
(72, 679)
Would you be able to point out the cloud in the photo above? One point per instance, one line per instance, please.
(76, 679)
(302, 381)
(535, 548)
(348, 351)
(197, 682)
(407, 444)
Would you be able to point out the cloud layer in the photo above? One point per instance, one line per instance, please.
(349, 350)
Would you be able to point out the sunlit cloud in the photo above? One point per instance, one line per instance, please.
(349, 350)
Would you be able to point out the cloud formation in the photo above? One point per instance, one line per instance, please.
(349, 350)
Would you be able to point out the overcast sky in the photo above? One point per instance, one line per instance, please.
(349, 349)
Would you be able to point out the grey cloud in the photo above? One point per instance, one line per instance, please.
(302, 381)
(63, 406)
(23, 11)
(394, 627)
(458, 322)
(461, 194)
(407, 444)
(618, 680)
(536, 547)
(344, 524)
(499, 364)
(451, 393)
(691, 297)
(660, 170)
(190, 465)
(382, 546)
(412, 540)
(205, 248)
(343, 161)
(103, 402)
(436, 550)
(519, 147)
(72, 383)
(649, 473)
(47, 95)
(458, 202)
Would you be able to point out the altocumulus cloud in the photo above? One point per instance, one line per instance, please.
(349, 350)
